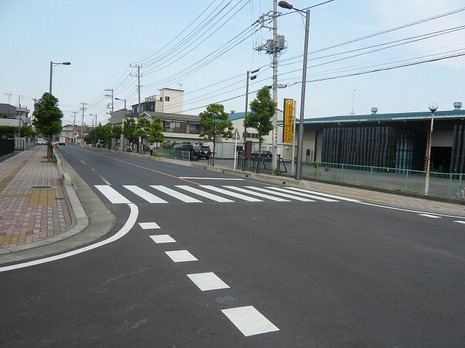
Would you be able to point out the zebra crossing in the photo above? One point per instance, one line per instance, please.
(160, 194)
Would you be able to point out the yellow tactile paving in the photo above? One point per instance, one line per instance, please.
(43, 198)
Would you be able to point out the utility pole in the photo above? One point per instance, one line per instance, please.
(19, 118)
(112, 98)
(74, 127)
(138, 84)
(82, 123)
(275, 87)
(274, 48)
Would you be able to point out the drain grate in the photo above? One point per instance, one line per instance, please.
(41, 187)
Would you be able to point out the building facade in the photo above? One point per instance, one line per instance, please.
(398, 140)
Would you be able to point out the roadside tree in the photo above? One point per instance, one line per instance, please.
(47, 119)
(155, 132)
(216, 123)
(262, 109)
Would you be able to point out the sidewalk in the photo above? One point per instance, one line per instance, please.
(33, 203)
(36, 207)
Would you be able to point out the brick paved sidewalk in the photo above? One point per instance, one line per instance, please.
(33, 205)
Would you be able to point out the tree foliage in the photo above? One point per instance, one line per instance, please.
(47, 118)
(262, 109)
(261, 113)
(155, 131)
(215, 122)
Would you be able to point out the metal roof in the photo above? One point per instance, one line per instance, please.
(417, 116)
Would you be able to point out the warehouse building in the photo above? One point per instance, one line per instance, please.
(398, 140)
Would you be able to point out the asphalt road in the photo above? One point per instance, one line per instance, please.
(226, 271)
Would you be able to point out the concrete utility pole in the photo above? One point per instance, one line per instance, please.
(274, 151)
(273, 47)
(110, 96)
(82, 123)
(138, 85)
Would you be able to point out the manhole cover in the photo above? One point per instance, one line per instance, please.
(227, 300)
(41, 187)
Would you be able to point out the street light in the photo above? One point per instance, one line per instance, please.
(253, 77)
(432, 107)
(124, 100)
(284, 4)
(51, 73)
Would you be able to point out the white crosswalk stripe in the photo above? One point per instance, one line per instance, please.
(232, 194)
(173, 193)
(286, 195)
(223, 194)
(258, 194)
(149, 197)
(208, 195)
(303, 194)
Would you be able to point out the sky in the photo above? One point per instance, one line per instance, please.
(396, 55)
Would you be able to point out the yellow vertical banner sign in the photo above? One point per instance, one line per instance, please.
(288, 120)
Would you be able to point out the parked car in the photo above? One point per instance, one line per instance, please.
(205, 152)
(193, 150)
(263, 154)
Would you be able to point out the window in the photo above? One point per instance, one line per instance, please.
(167, 98)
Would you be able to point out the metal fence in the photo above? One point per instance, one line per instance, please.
(442, 185)
(7, 146)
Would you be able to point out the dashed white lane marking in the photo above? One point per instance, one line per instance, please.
(232, 194)
(162, 238)
(181, 196)
(181, 256)
(149, 225)
(149, 197)
(249, 321)
(430, 216)
(208, 281)
(113, 196)
(208, 195)
(460, 222)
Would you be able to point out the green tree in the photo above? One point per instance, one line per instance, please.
(155, 132)
(141, 130)
(215, 122)
(47, 118)
(129, 129)
(262, 109)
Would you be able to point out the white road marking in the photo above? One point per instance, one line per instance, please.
(258, 194)
(149, 197)
(326, 195)
(149, 225)
(180, 256)
(249, 321)
(460, 222)
(285, 195)
(232, 194)
(162, 238)
(208, 281)
(176, 194)
(112, 195)
(303, 193)
(203, 178)
(130, 222)
(430, 216)
(205, 194)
